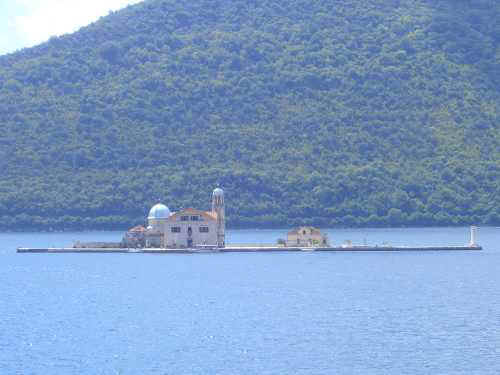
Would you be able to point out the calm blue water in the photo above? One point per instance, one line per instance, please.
(293, 313)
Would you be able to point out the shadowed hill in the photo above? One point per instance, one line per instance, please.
(365, 112)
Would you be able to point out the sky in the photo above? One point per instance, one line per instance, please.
(25, 23)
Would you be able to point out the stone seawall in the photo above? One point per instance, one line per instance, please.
(237, 249)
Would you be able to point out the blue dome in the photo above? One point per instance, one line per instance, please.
(218, 192)
(159, 211)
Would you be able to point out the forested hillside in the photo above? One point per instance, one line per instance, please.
(324, 112)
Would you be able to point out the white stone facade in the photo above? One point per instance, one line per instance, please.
(190, 228)
(187, 228)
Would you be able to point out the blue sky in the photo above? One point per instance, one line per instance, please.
(25, 23)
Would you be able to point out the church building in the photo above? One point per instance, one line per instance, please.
(187, 228)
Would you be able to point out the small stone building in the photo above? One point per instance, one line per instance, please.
(306, 236)
(135, 237)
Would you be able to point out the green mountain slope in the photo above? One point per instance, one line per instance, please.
(332, 112)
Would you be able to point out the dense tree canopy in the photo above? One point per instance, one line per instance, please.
(331, 113)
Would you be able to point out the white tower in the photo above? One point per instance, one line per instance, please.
(218, 209)
(473, 236)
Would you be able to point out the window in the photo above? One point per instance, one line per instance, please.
(176, 229)
(203, 229)
(184, 218)
(194, 218)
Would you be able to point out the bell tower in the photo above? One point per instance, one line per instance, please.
(218, 209)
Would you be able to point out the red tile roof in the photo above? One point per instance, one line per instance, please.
(138, 228)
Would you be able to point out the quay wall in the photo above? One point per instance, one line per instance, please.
(248, 249)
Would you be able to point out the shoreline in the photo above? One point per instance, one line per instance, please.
(241, 249)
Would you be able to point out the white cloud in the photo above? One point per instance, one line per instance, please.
(42, 19)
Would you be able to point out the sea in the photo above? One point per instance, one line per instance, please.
(253, 313)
